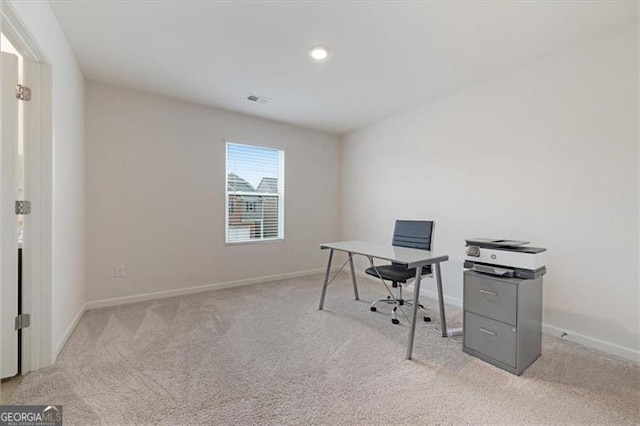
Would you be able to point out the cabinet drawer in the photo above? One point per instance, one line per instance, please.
(490, 297)
(490, 337)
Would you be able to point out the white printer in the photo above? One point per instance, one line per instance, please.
(505, 258)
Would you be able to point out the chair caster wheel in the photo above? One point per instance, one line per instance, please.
(373, 309)
(427, 319)
(395, 321)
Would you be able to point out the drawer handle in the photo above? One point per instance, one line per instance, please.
(488, 292)
(492, 333)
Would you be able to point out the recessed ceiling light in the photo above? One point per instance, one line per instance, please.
(319, 53)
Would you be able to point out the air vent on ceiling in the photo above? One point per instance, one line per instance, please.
(257, 98)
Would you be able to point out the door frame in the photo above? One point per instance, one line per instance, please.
(37, 347)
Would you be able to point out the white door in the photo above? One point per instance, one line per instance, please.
(9, 159)
(34, 167)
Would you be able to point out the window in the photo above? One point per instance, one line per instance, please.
(255, 194)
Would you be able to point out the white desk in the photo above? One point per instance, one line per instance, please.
(413, 258)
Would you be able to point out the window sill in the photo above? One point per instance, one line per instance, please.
(266, 241)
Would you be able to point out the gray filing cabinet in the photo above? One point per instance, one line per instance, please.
(503, 320)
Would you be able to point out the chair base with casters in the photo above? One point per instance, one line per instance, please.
(398, 300)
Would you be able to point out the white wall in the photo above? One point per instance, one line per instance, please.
(156, 195)
(68, 287)
(547, 153)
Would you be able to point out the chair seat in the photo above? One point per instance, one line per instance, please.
(396, 273)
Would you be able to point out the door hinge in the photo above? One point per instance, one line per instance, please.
(23, 92)
(23, 207)
(23, 321)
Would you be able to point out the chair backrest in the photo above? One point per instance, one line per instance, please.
(414, 234)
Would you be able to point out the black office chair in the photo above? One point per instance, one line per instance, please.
(416, 234)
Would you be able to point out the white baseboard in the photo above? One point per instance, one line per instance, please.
(67, 333)
(198, 289)
(588, 341)
(447, 299)
(592, 342)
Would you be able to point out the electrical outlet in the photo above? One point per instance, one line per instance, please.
(118, 271)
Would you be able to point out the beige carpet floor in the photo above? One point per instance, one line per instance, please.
(264, 354)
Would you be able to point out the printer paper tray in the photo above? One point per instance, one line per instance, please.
(493, 270)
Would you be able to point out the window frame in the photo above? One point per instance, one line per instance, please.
(280, 194)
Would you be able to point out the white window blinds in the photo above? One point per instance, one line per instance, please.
(255, 194)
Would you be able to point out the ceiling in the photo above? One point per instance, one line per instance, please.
(385, 57)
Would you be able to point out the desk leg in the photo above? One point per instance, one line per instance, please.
(353, 277)
(414, 313)
(443, 318)
(326, 280)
